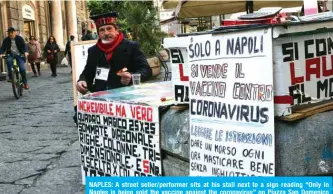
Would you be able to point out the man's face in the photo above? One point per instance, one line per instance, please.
(108, 33)
(12, 34)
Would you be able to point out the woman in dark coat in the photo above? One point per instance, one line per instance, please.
(51, 49)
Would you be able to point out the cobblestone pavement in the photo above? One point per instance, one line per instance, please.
(39, 148)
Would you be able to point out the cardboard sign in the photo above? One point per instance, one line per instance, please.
(179, 66)
(231, 104)
(118, 139)
(304, 70)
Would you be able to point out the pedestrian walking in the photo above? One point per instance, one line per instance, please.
(68, 51)
(34, 56)
(51, 49)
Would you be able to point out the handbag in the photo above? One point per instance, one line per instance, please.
(49, 57)
(32, 58)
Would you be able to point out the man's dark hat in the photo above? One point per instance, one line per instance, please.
(11, 29)
(105, 19)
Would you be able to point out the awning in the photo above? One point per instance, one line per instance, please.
(191, 9)
(170, 4)
(168, 20)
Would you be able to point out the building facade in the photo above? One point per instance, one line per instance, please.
(45, 18)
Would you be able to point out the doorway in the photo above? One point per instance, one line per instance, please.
(29, 29)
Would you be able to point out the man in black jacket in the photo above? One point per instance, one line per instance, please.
(15, 48)
(112, 61)
(109, 57)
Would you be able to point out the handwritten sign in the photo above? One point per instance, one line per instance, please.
(304, 68)
(118, 139)
(231, 104)
(179, 66)
(180, 80)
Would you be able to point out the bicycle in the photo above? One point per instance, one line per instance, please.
(17, 82)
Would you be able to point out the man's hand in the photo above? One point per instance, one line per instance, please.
(82, 87)
(125, 78)
(48, 51)
(26, 54)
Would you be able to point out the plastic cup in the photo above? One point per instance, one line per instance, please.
(136, 79)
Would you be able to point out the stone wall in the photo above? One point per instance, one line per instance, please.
(82, 16)
(42, 24)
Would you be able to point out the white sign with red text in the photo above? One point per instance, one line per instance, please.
(118, 139)
(177, 47)
(303, 70)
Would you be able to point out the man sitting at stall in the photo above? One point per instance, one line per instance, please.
(113, 60)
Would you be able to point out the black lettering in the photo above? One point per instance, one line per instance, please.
(287, 49)
(329, 45)
(263, 115)
(230, 46)
(256, 50)
(250, 45)
(307, 43)
(174, 56)
(181, 93)
(244, 43)
(322, 86)
(207, 48)
(217, 48)
(191, 54)
(318, 51)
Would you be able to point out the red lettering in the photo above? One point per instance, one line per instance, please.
(93, 105)
(181, 72)
(326, 72)
(98, 22)
(118, 110)
(312, 70)
(110, 109)
(101, 108)
(133, 112)
(295, 80)
(88, 107)
(150, 114)
(146, 166)
(142, 113)
(138, 113)
(81, 105)
(123, 111)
